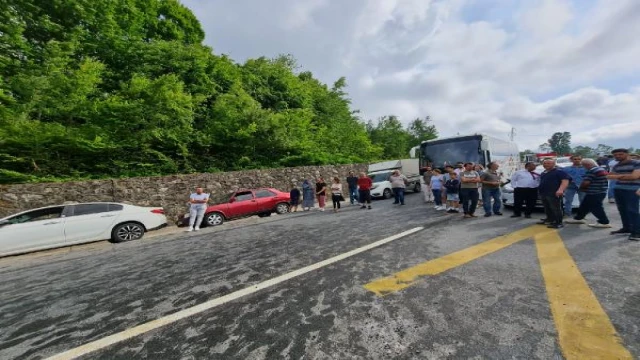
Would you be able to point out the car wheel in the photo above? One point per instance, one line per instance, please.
(282, 208)
(127, 232)
(387, 194)
(264, 214)
(213, 219)
(416, 187)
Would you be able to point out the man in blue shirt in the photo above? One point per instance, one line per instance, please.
(577, 172)
(553, 183)
(626, 173)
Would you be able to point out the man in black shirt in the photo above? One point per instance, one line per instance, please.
(352, 180)
(553, 183)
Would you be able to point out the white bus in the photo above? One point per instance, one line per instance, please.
(477, 148)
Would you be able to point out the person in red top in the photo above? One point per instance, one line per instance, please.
(364, 190)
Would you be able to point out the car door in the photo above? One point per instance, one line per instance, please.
(266, 200)
(242, 203)
(89, 222)
(32, 230)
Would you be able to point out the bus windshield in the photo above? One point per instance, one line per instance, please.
(451, 152)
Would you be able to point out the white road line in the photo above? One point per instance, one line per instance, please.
(154, 324)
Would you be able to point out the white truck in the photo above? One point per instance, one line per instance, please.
(380, 172)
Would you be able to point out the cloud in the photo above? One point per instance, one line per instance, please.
(539, 66)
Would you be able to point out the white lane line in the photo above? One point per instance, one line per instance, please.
(154, 324)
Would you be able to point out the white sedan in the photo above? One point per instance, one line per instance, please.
(65, 225)
(507, 194)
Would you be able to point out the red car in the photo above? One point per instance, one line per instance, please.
(242, 203)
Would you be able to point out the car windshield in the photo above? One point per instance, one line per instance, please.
(451, 152)
(380, 177)
(220, 198)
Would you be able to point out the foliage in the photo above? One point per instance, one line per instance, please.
(560, 142)
(112, 88)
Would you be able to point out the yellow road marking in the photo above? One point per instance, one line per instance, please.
(408, 277)
(584, 329)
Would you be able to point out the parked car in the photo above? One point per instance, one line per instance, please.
(243, 203)
(64, 225)
(507, 194)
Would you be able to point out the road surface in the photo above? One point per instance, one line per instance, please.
(195, 294)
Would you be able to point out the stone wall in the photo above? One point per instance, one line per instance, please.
(170, 192)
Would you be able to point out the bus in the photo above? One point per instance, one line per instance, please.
(478, 149)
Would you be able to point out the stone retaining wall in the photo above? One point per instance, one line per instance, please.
(170, 192)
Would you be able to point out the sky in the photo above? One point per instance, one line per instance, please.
(473, 66)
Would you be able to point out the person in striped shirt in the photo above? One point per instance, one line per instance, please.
(594, 186)
(626, 173)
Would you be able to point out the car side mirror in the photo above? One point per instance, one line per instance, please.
(232, 200)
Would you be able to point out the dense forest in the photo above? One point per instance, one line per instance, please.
(114, 88)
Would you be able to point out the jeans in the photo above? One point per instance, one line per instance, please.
(335, 198)
(628, 206)
(398, 194)
(365, 196)
(526, 196)
(353, 195)
(195, 216)
(487, 195)
(552, 208)
(592, 203)
(569, 194)
(469, 200)
(610, 194)
(437, 196)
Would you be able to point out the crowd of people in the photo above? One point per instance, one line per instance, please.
(466, 186)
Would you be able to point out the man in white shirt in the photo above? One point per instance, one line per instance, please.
(525, 190)
(198, 205)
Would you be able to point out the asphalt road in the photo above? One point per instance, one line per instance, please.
(494, 307)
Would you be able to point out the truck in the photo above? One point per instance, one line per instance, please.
(380, 173)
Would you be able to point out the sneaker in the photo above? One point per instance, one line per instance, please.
(321, 209)
(575, 221)
(196, 228)
(473, 215)
(466, 216)
(555, 226)
(487, 215)
(369, 207)
(498, 213)
(451, 211)
(634, 237)
(544, 222)
(189, 230)
(363, 207)
(620, 232)
(600, 226)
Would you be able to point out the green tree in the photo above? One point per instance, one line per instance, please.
(584, 151)
(560, 142)
(421, 130)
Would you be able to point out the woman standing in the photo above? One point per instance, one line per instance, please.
(436, 188)
(307, 195)
(336, 194)
(321, 192)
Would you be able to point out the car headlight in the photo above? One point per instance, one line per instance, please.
(375, 186)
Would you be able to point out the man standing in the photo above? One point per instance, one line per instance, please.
(321, 192)
(426, 186)
(594, 186)
(553, 183)
(364, 188)
(491, 190)
(398, 184)
(576, 172)
(525, 190)
(197, 206)
(469, 180)
(626, 174)
(352, 181)
(448, 169)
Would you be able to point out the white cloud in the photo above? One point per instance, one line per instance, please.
(415, 58)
